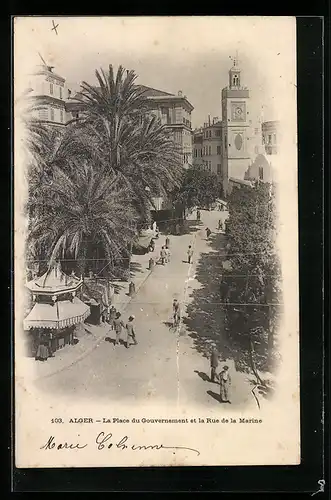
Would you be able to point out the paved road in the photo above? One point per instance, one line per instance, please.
(164, 364)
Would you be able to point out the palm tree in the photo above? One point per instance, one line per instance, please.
(132, 143)
(80, 205)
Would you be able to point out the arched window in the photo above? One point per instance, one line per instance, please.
(235, 80)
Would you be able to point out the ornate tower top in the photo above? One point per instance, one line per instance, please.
(234, 73)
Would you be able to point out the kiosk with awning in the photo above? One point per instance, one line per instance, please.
(56, 309)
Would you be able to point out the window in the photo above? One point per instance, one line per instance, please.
(269, 139)
(61, 115)
(60, 92)
(209, 133)
(209, 150)
(235, 80)
(218, 150)
(52, 114)
(51, 88)
(275, 141)
(261, 173)
(219, 169)
(218, 133)
(43, 114)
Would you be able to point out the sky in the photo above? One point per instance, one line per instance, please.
(191, 54)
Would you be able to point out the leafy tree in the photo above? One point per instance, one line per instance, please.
(253, 285)
(198, 188)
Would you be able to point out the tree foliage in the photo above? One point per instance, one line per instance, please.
(95, 179)
(253, 283)
(199, 187)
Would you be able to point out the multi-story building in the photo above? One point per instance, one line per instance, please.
(265, 162)
(174, 111)
(50, 91)
(207, 150)
(270, 132)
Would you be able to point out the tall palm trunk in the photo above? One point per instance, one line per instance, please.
(81, 260)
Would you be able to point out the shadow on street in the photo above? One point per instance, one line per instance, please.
(205, 314)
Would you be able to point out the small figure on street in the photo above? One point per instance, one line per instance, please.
(154, 226)
(214, 365)
(163, 255)
(151, 245)
(157, 233)
(167, 254)
(208, 232)
(42, 352)
(118, 325)
(167, 242)
(130, 332)
(220, 225)
(198, 215)
(112, 316)
(176, 312)
(225, 382)
(189, 254)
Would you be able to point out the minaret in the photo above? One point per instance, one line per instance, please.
(235, 127)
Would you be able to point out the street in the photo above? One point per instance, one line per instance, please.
(166, 364)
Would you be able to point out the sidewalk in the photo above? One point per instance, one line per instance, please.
(90, 336)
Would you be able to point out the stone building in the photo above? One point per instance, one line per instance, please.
(207, 150)
(50, 92)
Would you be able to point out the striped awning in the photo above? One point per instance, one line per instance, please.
(60, 315)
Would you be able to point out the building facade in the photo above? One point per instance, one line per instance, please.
(50, 92)
(236, 128)
(174, 111)
(270, 136)
(207, 148)
(266, 161)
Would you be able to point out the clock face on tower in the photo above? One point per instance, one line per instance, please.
(238, 111)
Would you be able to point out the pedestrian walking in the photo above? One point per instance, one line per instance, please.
(214, 365)
(189, 254)
(208, 232)
(118, 325)
(154, 226)
(176, 312)
(151, 245)
(220, 225)
(112, 316)
(198, 215)
(163, 255)
(130, 332)
(167, 242)
(225, 382)
(167, 254)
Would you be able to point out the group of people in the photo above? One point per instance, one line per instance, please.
(165, 252)
(117, 324)
(223, 377)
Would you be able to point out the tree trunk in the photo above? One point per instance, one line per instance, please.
(253, 365)
(81, 261)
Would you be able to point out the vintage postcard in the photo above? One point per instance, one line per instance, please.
(156, 241)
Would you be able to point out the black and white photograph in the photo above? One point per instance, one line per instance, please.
(156, 252)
